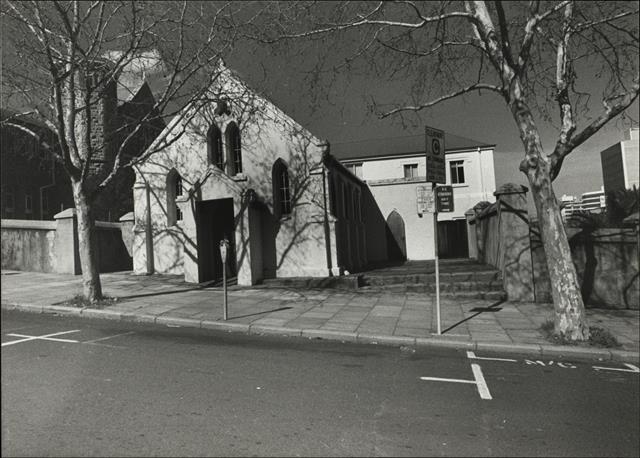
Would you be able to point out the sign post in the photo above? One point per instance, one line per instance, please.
(435, 174)
(224, 248)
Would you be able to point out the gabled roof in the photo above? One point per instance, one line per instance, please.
(400, 146)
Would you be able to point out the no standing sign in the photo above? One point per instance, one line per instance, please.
(435, 155)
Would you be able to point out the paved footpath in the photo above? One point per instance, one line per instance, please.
(400, 319)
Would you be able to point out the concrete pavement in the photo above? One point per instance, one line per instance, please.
(400, 319)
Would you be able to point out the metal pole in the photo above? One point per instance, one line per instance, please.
(224, 287)
(435, 242)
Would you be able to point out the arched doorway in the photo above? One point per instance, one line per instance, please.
(396, 237)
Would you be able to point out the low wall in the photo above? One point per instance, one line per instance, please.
(52, 246)
(606, 260)
(28, 245)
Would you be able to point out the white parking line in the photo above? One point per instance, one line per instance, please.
(631, 367)
(108, 337)
(472, 355)
(45, 337)
(481, 384)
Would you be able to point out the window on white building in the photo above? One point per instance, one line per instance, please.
(411, 170)
(457, 172)
(356, 169)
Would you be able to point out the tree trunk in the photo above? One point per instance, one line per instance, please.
(91, 286)
(570, 316)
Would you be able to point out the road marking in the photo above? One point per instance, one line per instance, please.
(631, 367)
(45, 337)
(108, 337)
(483, 389)
(479, 381)
(472, 355)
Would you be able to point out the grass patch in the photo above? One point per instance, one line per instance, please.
(79, 301)
(598, 337)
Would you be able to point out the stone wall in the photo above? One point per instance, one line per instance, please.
(52, 246)
(606, 260)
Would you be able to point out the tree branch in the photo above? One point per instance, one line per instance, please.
(471, 88)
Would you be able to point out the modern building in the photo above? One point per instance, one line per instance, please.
(593, 201)
(394, 170)
(621, 164)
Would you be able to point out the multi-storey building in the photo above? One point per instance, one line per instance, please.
(395, 168)
(621, 164)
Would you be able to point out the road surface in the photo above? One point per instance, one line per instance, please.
(78, 387)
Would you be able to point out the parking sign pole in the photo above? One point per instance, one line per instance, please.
(437, 273)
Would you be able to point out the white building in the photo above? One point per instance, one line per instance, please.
(620, 163)
(393, 168)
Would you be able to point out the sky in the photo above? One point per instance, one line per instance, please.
(344, 115)
(482, 117)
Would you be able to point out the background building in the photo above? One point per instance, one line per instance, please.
(394, 168)
(620, 163)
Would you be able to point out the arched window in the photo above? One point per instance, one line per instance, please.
(174, 190)
(234, 149)
(281, 189)
(214, 147)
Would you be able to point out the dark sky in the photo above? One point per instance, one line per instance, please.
(346, 117)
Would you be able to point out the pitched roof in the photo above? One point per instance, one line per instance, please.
(399, 146)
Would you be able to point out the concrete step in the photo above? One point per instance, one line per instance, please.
(484, 276)
(495, 295)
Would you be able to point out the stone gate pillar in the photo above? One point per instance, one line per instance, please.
(515, 245)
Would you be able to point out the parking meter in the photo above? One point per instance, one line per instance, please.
(224, 248)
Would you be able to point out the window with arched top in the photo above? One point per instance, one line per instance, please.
(234, 149)
(174, 190)
(281, 189)
(214, 147)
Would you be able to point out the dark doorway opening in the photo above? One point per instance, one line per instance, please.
(396, 238)
(215, 221)
(452, 239)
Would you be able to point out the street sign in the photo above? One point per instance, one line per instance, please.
(435, 155)
(424, 199)
(444, 199)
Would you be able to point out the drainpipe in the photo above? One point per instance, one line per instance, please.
(149, 234)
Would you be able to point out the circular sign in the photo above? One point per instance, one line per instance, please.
(435, 146)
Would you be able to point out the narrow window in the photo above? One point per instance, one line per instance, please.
(410, 170)
(45, 205)
(178, 192)
(174, 190)
(281, 189)
(457, 172)
(234, 149)
(214, 147)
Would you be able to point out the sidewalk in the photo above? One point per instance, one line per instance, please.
(351, 316)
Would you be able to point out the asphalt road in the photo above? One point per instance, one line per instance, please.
(111, 389)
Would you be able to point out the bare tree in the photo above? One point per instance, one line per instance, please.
(529, 54)
(70, 64)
